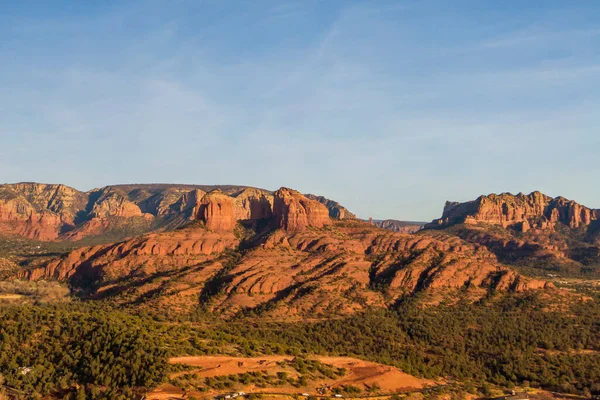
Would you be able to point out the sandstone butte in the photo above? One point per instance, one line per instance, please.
(251, 204)
(522, 212)
(217, 211)
(294, 212)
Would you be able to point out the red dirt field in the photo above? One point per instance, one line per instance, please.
(359, 373)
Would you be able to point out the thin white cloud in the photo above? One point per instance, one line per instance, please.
(366, 111)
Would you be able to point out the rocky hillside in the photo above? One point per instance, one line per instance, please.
(301, 262)
(535, 231)
(58, 212)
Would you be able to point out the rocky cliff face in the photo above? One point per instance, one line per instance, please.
(252, 204)
(543, 234)
(110, 203)
(216, 210)
(523, 212)
(295, 212)
(38, 211)
(188, 204)
(336, 210)
(57, 212)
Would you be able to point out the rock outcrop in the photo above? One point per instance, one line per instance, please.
(57, 212)
(336, 210)
(216, 210)
(252, 204)
(524, 212)
(38, 211)
(113, 204)
(295, 212)
(550, 235)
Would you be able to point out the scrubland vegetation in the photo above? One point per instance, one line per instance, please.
(90, 350)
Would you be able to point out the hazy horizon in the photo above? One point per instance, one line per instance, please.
(390, 107)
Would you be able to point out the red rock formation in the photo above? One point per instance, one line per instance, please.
(295, 212)
(524, 212)
(145, 254)
(189, 203)
(57, 212)
(253, 203)
(304, 272)
(216, 210)
(165, 202)
(38, 211)
(20, 218)
(59, 199)
(112, 204)
(336, 210)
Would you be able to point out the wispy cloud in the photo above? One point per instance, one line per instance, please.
(371, 106)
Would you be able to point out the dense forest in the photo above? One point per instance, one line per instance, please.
(71, 350)
(92, 351)
(513, 341)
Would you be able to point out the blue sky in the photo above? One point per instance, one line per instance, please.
(390, 107)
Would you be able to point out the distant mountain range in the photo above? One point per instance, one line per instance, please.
(244, 249)
(58, 212)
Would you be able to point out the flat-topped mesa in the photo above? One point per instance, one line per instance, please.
(216, 210)
(253, 204)
(336, 210)
(294, 212)
(524, 212)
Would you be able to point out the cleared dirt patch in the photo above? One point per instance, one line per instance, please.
(210, 366)
(166, 391)
(365, 373)
(359, 373)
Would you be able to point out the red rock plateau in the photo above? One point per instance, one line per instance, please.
(554, 235)
(58, 212)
